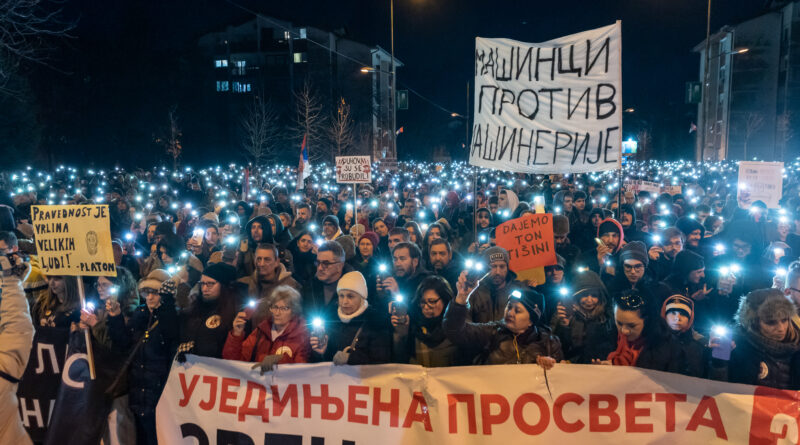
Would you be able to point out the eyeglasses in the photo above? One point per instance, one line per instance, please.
(283, 309)
(636, 267)
(208, 283)
(326, 264)
(429, 303)
(148, 291)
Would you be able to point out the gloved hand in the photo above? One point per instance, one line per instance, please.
(340, 358)
(184, 348)
(268, 364)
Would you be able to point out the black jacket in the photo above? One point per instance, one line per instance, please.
(374, 343)
(760, 361)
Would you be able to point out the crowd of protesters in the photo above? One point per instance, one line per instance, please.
(247, 266)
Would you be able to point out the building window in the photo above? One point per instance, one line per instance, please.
(287, 35)
(239, 67)
(303, 33)
(242, 87)
(221, 63)
(300, 57)
(222, 85)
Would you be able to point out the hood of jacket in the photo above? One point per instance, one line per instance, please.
(266, 228)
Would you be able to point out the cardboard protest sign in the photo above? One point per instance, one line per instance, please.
(530, 244)
(760, 181)
(353, 170)
(74, 240)
(637, 185)
(552, 107)
(672, 190)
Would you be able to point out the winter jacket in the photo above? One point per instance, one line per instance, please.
(374, 343)
(492, 343)
(757, 360)
(16, 339)
(151, 363)
(695, 355)
(258, 289)
(313, 292)
(587, 338)
(292, 343)
(206, 327)
(488, 304)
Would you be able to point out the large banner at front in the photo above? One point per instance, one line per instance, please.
(210, 401)
(552, 107)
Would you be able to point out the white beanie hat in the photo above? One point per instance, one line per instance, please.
(353, 281)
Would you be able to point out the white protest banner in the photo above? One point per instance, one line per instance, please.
(353, 170)
(552, 107)
(760, 181)
(73, 240)
(637, 185)
(211, 401)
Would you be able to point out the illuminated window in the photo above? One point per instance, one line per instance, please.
(300, 57)
(222, 85)
(222, 63)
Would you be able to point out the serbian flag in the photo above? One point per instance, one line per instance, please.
(304, 169)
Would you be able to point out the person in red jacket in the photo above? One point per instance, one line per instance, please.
(279, 339)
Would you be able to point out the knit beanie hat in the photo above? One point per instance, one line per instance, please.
(332, 219)
(353, 281)
(560, 225)
(685, 262)
(496, 253)
(532, 300)
(221, 272)
(348, 244)
(357, 230)
(372, 237)
(154, 279)
(634, 250)
(688, 225)
(328, 203)
(679, 303)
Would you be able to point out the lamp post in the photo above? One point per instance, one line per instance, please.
(392, 100)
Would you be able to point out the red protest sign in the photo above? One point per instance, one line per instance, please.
(528, 240)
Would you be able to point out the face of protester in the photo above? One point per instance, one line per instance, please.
(431, 304)
(588, 303)
(404, 265)
(151, 298)
(322, 208)
(580, 204)
(673, 247)
(493, 207)
(412, 236)
(596, 220)
(610, 239)
(285, 220)
(554, 275)
(303, 215)
(783, 230)
(266, 264)
(560, 240)
(701, 216)
(626, 220)
(395, 240)
(380, 228)
(329, 267)
(281, 312)
(434, 233)
(329, 229)
(165, 258)
(567, 204)
(104, 288)
(629, 323)
(516, 317)
(151, 233)
(349, 301)
(774, 329)
(634, 270)
(439, 256)
(210, 288)
(741, 248)
(212, 236)
(498, 272)
(411, 207)
(366, 248)
(256, 232)
(696, 276)
(502, 201)
(677, 321)
(305, 243)
(483, 220)
(693, 238)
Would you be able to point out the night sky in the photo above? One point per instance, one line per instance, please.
(125, 43)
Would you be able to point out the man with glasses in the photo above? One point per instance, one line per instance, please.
(665, 248)
(269, 273)
(319, 294)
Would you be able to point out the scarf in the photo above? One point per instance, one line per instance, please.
(347, 318)
(627, 353)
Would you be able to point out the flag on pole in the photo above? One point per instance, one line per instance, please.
(399, 131)
(304, 169)
(692, 128)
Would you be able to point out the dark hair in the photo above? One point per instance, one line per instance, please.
(438, 285)
(128, 289)
(441, 241)
(400, 231)
(413, 250)
(268, 246)
(173, 244)
(303, 205)
(655, 329)
(333, 247)
(9, 238)
(493, 200)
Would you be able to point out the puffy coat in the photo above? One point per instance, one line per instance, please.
(494, 344)
(150, 366)
(16, 338)
(292, 343)
(488, 304)
(757, 360)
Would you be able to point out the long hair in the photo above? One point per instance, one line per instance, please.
(655, 328)
(48, 301)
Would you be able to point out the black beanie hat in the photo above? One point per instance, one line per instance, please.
(634, 250)
(532, 301)
(224, 273)
(331, 219)
(685, 262)
(688, 225)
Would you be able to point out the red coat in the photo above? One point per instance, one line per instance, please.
(292, 343)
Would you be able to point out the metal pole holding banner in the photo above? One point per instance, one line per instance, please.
(355, 207)
(86, 334)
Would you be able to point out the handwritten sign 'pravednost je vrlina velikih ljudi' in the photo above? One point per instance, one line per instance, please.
(73, 240)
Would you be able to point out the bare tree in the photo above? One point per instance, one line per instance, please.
(785, 132)
(310, 122)
(24, 25)
(645, 138)
(752, 123)
(171, 138)
(340, 130)
(261, 131)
